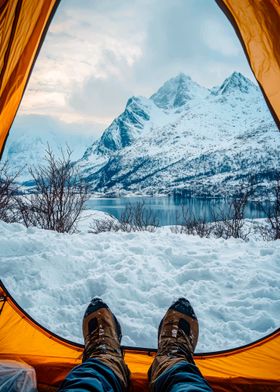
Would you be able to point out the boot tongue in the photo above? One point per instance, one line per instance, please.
(185, 326)
(92, 325)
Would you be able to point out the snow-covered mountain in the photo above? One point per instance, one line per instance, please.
(186, 138)
(29, 137)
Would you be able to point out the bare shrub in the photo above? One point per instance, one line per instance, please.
(8, 191)
(104, 225)
(271, 231)
(188, 223)
(230, 221)
(135, 217)
(227, 222)
(59, 195)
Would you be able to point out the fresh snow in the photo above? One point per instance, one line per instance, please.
(233, 285)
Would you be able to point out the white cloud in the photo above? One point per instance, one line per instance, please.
(217, 38)
(98, 53)
(101, 97)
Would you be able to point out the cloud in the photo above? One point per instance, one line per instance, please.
(103, 98)
(188, 36)
(98, 53)
(218, 39)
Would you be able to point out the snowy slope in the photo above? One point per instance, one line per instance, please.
(233, 285)
(186, 137)
(29, 137)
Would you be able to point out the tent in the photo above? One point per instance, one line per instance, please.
(23, 26)
(254, 367)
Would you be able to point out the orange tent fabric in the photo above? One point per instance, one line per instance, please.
(23, 25)
(255, 367)
(257, 24)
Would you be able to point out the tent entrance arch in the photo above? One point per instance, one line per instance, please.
(23, 26)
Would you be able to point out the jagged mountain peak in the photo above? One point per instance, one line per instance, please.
(177, 91)
(126, 127)
(133, 100)
(137, 102)
(236, 82)
(181, 78)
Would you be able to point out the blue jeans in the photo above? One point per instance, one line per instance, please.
(182, 377)
(91, 376)
(94, 376)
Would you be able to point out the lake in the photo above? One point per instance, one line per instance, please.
(166, 207)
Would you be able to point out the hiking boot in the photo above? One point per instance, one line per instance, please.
(102, 334)
(177, 338)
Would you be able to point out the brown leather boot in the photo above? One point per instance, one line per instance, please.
(177, 338)
(102, 334)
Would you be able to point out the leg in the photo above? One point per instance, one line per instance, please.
(103, 368)
(181, 377)
(92, 375)
(173, 369)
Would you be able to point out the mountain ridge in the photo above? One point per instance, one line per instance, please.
(186, 138)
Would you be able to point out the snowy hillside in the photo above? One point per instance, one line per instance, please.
(233, 285)
(29, 137)
(186, 138)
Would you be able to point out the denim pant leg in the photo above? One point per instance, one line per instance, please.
(182, 377)
(91, 376)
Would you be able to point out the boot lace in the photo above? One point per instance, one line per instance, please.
(98, 342)
(178, 345)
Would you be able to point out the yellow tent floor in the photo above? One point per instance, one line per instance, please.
(254, 367)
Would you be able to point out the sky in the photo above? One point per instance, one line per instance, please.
(99, 53)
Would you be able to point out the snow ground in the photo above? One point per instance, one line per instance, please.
(233, 285)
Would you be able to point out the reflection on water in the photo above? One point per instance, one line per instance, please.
(167, 207)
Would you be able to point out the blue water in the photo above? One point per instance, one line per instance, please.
(167, 207)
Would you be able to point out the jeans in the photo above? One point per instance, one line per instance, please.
(182, 377)
(94, 376)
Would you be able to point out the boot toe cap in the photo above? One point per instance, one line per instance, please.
(95, 304)
(183, 305)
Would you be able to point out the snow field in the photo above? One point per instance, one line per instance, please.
(233, 285)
